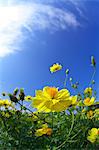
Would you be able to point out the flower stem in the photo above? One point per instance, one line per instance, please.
(52, 119)
(76, 134)
(21, 105)
(92, 76)
(68, 133)
(25, 107)
(65, 81)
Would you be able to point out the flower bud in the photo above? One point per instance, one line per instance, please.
(71, 79)
(93, 81)
(16, 91)
(74, 86)
(93, 62)
(67, 71)
(3, 94)
(22, 94)
(13, 98)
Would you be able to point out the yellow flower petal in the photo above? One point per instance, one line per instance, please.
(37, 102)
(61, 105)
(50, 92)
(39, 93)
(63, 94)
(28, 98)
(74, 100)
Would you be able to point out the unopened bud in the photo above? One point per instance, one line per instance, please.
(71, 79)
(22, 94)
(13, 98)
(93, 62)
(93, 81)
(3, 94)
(67, 71)
(21, 90)
(74, 86)
(16, 91)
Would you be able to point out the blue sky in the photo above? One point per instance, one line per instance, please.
(38, 33)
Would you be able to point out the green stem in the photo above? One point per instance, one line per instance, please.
(22, 106)
(52, 119)
(72, 141)
(71, 125)
(25, 107)
(76, 134)
(65, 81)
(92, 76)
(52, 115)
(68, 133)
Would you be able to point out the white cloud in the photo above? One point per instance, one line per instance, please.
(31, 17)
(79, 6)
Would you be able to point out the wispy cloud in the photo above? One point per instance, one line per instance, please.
(18, 18)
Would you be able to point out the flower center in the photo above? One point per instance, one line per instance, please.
(52, 92)
(57, 67)
(87, 100)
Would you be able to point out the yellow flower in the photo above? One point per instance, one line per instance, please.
(28, 98)
(74, 100)
(43, 130)
(50, 99)
(5, 103)
(55, 67)
(93, 135)
(88, 91)
(89, 101)
(1, 102)
(90, 114)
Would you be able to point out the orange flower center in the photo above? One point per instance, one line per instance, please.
(52, 92)
(87, 100)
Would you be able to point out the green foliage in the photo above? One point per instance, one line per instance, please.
(69, 130)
